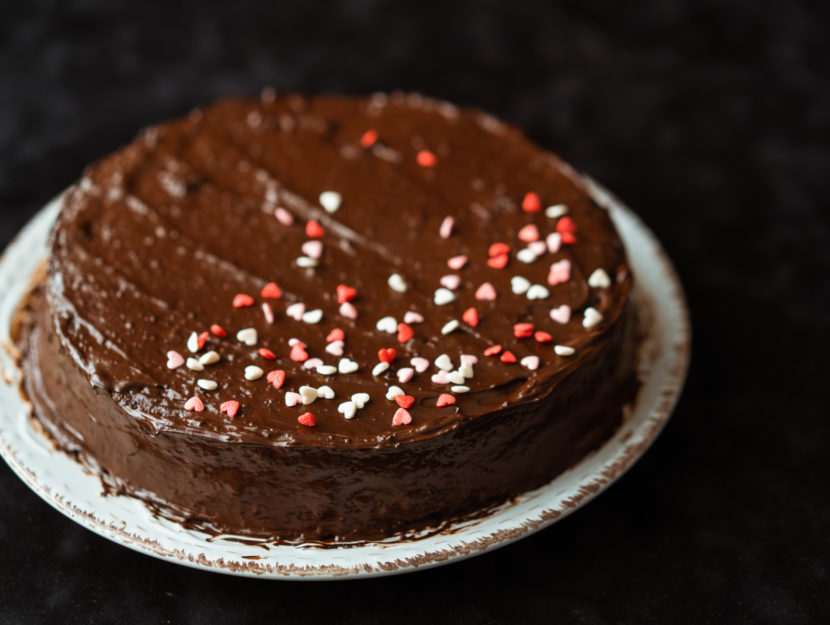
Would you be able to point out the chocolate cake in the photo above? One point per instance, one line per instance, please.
(329, 318)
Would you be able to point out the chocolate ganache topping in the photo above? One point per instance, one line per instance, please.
(301, 274)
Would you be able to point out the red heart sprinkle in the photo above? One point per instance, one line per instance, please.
(498, 262)
(218, 330)
(404, 401)
(230, 408)
(202, 339)
(345, 293)
(543, 337)
(565, 224)
(404, 332)
(369, 138)
(307, 419)
(493, 350)
(470, 316)
(271, 291)
(508, 357)
(194, 404)
(298, 353)
(267, 353)
(276, 378)
(387, 354)
(241, 300)
(568, 238)
(445, 399)
(531, 203)
(402, 417)
(522, 330)
(335, 335)
(426, 158)
(314, 230)
(497, 249)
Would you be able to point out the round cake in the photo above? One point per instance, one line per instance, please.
(330, 318)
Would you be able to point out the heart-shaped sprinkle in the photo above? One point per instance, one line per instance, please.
(208, 385)
(498, 262)
(194, 404)
(325, 392)
(591, 317)
(460, 388)
(313, 317)
(309, 394)
(508, 357)
(519, 284)
(230, 408)
(553, 242)
(335, 348)
(497, 249)
(470, 316)
(335, 335)
(242, 300)
(466, 369)
(526, 255)
(531, 203)
(451, 281)
(268, 312)
(314, 230)
(298, 353)
(456, 377)
(283, 216)
(405, 374)
(346, 366)
(276, 378)
(271, 291)
(267, 353)
(218, 330)
(446, 227)
(387, 324)
(295, 311)
(380, 368)
(174, 359)
(493, 350)
(529, 233)
(404, 401)
(411, 317)
(542, 337)
(404, 332)
(360, 399)
(420, 364)
(248, 336)
(326, 369)
(445, 399)
(557, 210)
(393, 391)
(537, 247)
(307, 419)
(330, 201)
(397, 283)
(293, 399)
(565, 224)
(252, 372)
(530, 362)
(425, 158)
(564, 350)
(442, 377)
(599, 279)
(305, 262)
(312, 249)
(537, 291)
(561, 314)
(486, 292)
(345, 293)
(347, 409)
(443, 296)
(193, 343)
(194, 365)
(559, 272)
(457, 262)
(444, 362)
(312, 363)
(348, 310)
(402, 417)
(522, 330)
(387, 354)
(449, 327)
(468, 359)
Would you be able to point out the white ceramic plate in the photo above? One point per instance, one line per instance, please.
(64, 484)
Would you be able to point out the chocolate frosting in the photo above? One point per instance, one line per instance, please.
(180, 231)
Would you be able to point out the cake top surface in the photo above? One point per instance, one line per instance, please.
(331, 270)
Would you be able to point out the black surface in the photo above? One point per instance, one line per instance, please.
(711, 119)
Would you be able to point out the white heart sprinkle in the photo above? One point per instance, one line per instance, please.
(405, 374)
(420, 364)
(252, 372)
(293, 341)
(460, 388)
(450, 326)
(466, 369)
(443, 362)
(295, 311)
(530, 362)
(325, 392)
(412, 317)
(526, 255)
(313, 316)
(537, 291)
(335, 348)
(456, 377)
(519, 284)
(397, 283)
(247, 336)
(443, 296)
(442, 377)
(380, 368)
(193, 343)
(599, 279)
(557, 210)
(306, 262)
(553, 242)
(174, 359)
(208, 385)
(393, 391)
(469, 359)
(330, 201)
(591, 318)
(313, 249)
(326, 370)
(312, 363)
(347, 409)
(452, 281)
(388, 325)
(457, 262)
(360, 399)
(292, 399)
(209, 358)
(194, 365)
(538, 247)
(346, 366)
(564, 350)
(348, 310)
(561, 314)
(309, 394)
(283, 216)
(446, 227)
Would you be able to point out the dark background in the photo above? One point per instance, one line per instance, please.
(710, 119)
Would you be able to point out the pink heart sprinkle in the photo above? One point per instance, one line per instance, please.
(405, 374)
(293, 399)
(312, 363)
(537, 247)
(420, 364)
(412, 317)
(298, 353)
(295, 311)
(529, 233)
(486, 292)
(531, 362)
(194, 404)
(561, 314)
(554, 242)
(174, 360)
(284, 217)
(469, 359)
(559, 272)
(348, 310)
(402, 417)
(442, 377)
(451, 281)
(335, 348)
(457, 262)
(313, 249)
